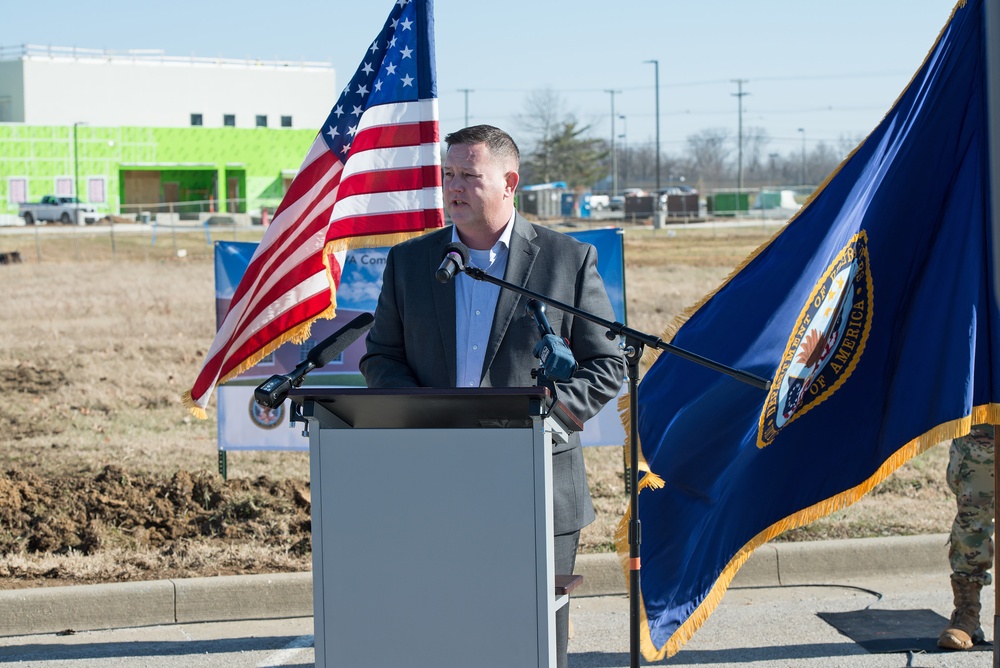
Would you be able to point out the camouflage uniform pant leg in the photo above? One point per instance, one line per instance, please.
(970, 477)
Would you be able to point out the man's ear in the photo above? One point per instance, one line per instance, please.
(511, 179)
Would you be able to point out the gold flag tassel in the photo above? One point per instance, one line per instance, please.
(296, 335)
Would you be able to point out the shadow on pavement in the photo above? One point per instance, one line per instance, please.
(48, 652)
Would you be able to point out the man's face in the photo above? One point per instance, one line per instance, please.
(478, 190)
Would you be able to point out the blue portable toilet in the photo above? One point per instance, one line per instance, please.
(569, 201)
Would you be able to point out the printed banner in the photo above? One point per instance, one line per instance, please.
(244, 425)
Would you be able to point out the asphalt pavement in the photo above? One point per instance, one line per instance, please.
(768, 618)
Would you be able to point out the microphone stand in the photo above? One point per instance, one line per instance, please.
(633, 349)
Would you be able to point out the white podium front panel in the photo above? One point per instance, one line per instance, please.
(431, 547)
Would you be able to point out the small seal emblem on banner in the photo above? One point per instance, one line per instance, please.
(266, 418)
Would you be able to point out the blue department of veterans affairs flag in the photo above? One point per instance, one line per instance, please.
(371, 178)
(873, 312)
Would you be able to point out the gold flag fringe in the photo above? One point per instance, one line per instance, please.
(986, 414)
(301, 332)
(650, 479)
(370, 241)
(194, 408)
(296, 335)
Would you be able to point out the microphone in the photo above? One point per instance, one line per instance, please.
(556, 357)
(456, 256)
(273, 391)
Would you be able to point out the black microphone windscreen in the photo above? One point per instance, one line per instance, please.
(460, 248)
(329, 348)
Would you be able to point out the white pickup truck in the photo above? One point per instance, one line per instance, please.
(66, 210)
(600, 202)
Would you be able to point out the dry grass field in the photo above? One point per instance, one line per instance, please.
(105, 477)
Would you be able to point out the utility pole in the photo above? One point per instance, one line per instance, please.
(466, 91)
(803, 175)
(614, 153)
(624, 136)
(656, 66)
(739, 135)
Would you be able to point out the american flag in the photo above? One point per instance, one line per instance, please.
(371, 178)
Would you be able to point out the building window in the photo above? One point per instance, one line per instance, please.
(64, 186)
(229, 120)
(261, 121)
(196, 119)
(96, 191)
(286, 121)
(17, 190)
(5, 109)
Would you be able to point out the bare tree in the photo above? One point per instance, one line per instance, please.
(541, 120)
(820, 162)
(563, 149)
(641, 164)
(755, 143)
(708, 152)
(846, 144)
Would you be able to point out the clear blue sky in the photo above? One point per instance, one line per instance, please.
(831, 68)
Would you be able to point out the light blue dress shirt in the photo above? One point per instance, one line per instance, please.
(475, 305)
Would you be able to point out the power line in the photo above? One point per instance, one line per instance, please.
(708, 82)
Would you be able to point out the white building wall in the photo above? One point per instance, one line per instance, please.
(164, 92)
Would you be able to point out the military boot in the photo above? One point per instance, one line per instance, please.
(963, 630)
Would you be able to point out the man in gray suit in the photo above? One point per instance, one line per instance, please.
(468, 333)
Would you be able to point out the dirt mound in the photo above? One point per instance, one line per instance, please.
(31, 379)
(114, 509)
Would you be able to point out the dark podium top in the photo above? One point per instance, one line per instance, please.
(436, 408)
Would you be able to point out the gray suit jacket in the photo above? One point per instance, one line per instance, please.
(412, 343)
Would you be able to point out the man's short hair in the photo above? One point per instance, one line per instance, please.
(501, 146)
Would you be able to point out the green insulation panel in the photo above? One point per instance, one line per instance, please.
(246, 168)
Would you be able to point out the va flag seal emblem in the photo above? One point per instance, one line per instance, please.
(826, 343)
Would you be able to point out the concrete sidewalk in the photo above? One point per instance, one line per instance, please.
(283, 595)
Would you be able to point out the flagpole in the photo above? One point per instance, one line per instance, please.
(633, 354)
(991, 36)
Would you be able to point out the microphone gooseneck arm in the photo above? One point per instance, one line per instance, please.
(620, 329)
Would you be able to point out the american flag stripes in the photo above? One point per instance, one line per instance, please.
(371, 178)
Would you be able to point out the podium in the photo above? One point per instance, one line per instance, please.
(432, 525)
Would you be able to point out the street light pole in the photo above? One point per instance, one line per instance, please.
(614, 153)
(656, 66)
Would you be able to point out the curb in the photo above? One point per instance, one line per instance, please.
(153, 603)
(283, 595)
(789, 564)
